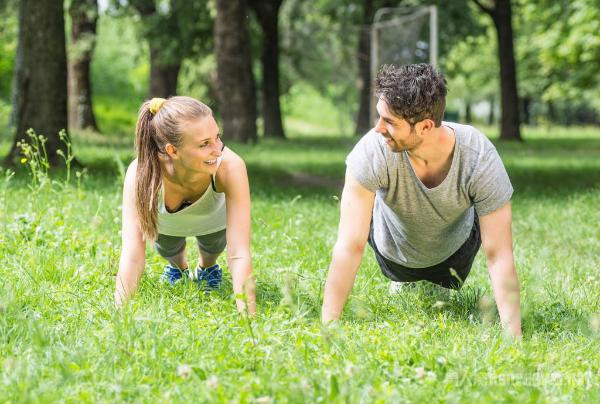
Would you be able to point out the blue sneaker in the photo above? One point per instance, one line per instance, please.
(172, 274)
(213, 276)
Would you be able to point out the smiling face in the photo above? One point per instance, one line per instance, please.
(200, 146)
(398, 133)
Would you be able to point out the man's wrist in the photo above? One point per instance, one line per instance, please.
(329, 315)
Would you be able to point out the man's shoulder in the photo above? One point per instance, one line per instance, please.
(368, 161)
(370, 143)
(372, 137)
(470, 139)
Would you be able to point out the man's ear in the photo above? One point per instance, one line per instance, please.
(171, 151)
(426, 126)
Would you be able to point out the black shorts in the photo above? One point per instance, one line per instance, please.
(450, 273)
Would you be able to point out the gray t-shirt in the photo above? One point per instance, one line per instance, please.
(418, 227)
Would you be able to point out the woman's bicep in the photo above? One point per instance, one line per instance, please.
(237, 193)
(131, 231)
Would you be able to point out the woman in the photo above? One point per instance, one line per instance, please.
(185, 182)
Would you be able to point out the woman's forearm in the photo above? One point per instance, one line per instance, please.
(244, 286)
(131, 268)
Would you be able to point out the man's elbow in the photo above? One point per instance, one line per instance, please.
(497, 256)
(501, 267)
(350, 248)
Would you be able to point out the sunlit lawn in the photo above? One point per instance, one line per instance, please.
(61, 338)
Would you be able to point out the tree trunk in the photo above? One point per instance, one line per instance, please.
(236, 87)
(267, 13)
(491, 115)
(568, 114)
(526, 103)
(41, 75)
(468, 116)
(551, 111)
(363, 123)
(501, 14)
(84, 16)
(365, 81)
(164, 69)
(509, 126)
(163, 76)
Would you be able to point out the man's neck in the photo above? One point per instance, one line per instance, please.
(436, 149)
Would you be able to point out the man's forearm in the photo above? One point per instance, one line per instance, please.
(505, 284)
(342, 272)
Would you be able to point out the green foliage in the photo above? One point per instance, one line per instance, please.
(320, 40)
(62, 339)
(308, 113)
(557, 48)
(119, 65)
(197, 79)
(35, 159)
(319, 50)
(119, 73)
(565, 34)
(8, 47)
(117, 116)
(6, 130)
(178, 28)
(555, 51)
(457, 20)
(472, 69)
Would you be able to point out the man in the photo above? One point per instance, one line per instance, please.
(425, 194)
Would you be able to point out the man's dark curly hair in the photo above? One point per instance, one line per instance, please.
(413, 92)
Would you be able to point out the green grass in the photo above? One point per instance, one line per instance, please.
(62, 340)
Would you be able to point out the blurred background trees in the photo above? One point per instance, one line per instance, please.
(84, 17)
(40, 75)
(235, 79)
(267, 14)
(283, 68)
(501, 13)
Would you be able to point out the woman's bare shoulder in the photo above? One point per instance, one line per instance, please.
(232, 169)
(231, 162)
(133, 165)
(130, 174)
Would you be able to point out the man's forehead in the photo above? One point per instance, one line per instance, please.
(384, 110)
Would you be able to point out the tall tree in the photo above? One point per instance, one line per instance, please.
(41, 75)
(501, 13)
(267, 13)
(164, 67)
(84, 17)
(363, 123)
(236, 87)
(174, 30)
